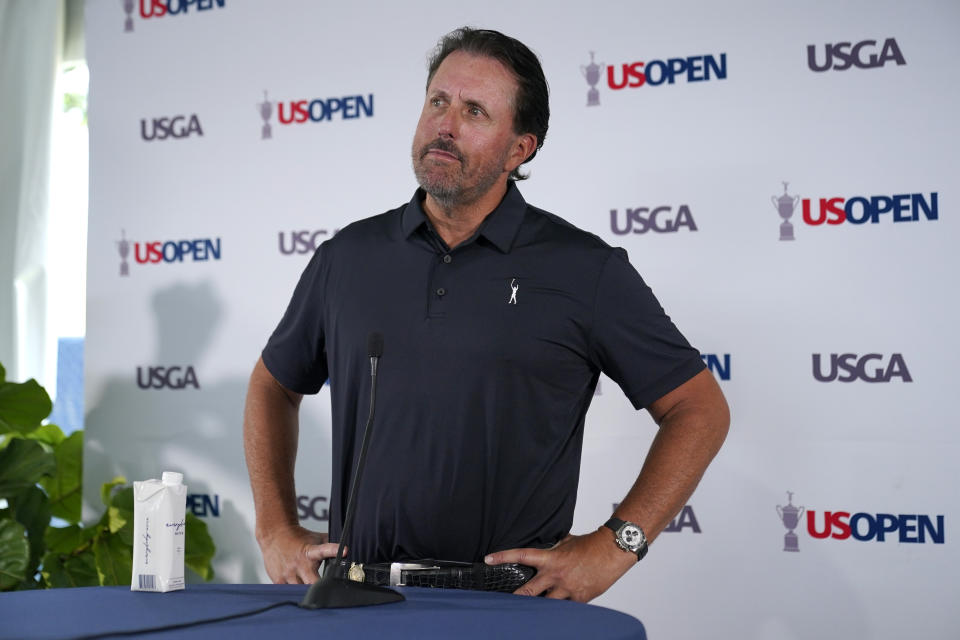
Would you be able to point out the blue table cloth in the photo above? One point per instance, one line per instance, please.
(426, 613)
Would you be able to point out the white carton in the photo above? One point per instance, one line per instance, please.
(159, 533)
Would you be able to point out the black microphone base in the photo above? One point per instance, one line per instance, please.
(336, 593)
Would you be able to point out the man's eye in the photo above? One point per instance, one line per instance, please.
(476, 111)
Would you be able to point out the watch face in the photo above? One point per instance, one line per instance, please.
(631, 535)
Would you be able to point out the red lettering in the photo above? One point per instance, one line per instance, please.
(154, 254)
(298, 112)
(613, 83)
(808, 218)
(300, 108)
(157, 9)
(284, 119)
(632, 76)
(834, 206)
(812, 524)
(840, 520)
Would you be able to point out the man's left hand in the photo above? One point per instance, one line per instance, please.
(577, 568)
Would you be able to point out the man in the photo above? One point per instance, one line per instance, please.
(497, 320)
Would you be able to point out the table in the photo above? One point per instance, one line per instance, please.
(426, 613)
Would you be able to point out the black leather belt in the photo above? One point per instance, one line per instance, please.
(443, 574)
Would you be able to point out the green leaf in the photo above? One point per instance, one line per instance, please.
(22, 464)
(65, 539)
(32, 509)
(199, 547)
(122, 503)
(106, 490)
(117, 518)
(23, 406)
(14, 554)
(114, 560)
(49, 434)
(60, 570)
(65, 487)
(3, 374)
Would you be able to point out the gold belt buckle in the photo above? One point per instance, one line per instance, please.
(356, 572)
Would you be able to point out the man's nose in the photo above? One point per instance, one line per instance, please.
(448, 124)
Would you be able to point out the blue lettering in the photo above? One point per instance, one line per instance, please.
(713, 363)
(367, 108)
(720, 70)
(879, 204)
(906, 528)
(899, 206)
(213, 249)
(656, 64)
(936, 534)
(865, 207)
(677, 65)
(694, 67)
(172, 255)
(350, 109)
(886, 523)
(871, 526)
(929, 210)
(200, 504)
(333, 105)
(321, 114)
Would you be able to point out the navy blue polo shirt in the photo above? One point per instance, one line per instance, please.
(491, 355)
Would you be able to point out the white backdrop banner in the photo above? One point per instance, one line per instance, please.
(780, 173)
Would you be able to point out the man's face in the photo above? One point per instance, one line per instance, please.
(465, 143)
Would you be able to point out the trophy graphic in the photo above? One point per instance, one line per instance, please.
(265, 109)
(592, 73)
(785, 205)
(123, 245)
(790, 516)
(128, 8)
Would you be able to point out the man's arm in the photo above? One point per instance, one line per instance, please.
(291, 553)
(693, 419)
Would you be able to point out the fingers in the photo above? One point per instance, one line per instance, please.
(323, 551)
(529, 557)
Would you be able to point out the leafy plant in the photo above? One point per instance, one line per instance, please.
(41, 473)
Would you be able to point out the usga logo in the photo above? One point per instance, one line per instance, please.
(303, 241)
(313, 508)
(861, 526)
(848, 367)
(175, 378)
(843, 55)
(176, 127)
(658, 219)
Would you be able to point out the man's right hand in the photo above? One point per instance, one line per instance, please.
(293, 555)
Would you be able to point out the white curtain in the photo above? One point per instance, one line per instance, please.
(31, 42)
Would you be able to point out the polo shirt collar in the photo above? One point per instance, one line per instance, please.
(500, 227)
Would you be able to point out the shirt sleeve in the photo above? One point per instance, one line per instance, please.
(633, 340)
(295, 354)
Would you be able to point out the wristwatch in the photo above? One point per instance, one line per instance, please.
(629, 536)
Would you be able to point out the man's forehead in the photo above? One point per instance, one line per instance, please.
(484, 72)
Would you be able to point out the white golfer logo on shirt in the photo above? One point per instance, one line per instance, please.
(513, 291)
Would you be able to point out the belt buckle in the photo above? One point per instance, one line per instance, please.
(397, 569)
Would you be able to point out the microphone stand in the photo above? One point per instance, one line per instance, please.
(333, 590)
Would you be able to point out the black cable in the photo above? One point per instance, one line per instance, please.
(184, 625)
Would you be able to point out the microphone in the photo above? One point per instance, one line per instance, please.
(333, 590)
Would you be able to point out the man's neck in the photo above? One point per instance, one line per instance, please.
(457, 222)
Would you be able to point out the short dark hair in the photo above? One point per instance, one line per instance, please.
(532, 109)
